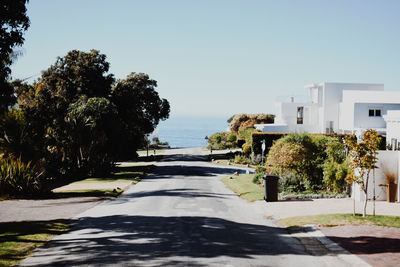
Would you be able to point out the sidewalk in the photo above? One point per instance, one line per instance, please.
(284, 209)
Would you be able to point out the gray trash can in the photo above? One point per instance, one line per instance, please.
(270, 187)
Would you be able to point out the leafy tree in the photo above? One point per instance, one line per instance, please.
(363, 159)
(82, 121)
(14, 22)
(140, 109)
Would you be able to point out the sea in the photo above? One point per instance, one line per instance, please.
(186, 131)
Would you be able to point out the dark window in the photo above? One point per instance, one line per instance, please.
(371, 112)
(377, 112)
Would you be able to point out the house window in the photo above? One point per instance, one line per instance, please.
(375, 112)
(371, 112)
(300, 115)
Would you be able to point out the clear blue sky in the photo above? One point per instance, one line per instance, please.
(223, 57)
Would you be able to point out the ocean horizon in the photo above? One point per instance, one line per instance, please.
(190, 131)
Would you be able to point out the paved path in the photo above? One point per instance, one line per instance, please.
(183, 215)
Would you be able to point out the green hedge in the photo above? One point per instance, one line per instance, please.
(269, 138)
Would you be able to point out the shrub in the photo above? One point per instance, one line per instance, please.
(231, 138)
(335, 174)
(222, 140)
(294, 154)
(258, 178)
(290, 183)
(335, 167)
(241, 160)
(260, 169)
(242, 121)
(18, 178)
(246, 148)
(246, 134)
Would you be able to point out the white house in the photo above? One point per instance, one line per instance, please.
(336, 107)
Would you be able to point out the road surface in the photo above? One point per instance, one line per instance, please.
(182, 215)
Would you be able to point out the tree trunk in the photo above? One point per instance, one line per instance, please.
(374, 195)
(366, 195)
(354, 199)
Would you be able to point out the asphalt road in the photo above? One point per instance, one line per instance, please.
(183, 215)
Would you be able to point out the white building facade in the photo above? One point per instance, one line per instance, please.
(337, 108)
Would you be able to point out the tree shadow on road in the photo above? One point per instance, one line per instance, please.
(184, 170)
(138, 239)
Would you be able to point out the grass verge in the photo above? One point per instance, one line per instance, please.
(19, 239)
(342, 219)
(88, 193)
(124, 174)
(243, 186)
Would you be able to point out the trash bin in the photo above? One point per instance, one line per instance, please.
(270, 187)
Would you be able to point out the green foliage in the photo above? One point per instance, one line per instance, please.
(18, 178)
(308, 162)
(246, 134)
(335, 175)
(15, 139)
(82, 121)
(246, 149)
(290, 183)
(258, 178)
(335, 167)
(241, 160)
(294, 154)
(222, 140)
(231, 138)
(260, 169)
(13, 23)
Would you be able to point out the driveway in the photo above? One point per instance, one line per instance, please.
(183, 215)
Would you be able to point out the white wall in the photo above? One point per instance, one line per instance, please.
(388, 162)
(362, 119)
(333, 96)
(392, 119)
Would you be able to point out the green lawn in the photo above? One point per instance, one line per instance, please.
(132, 173)
(244, 187)
(19, 239)
(342, 219)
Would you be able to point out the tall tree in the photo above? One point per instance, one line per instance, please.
(13, 23)
(139, 108)
(82, 121)
(363, 159)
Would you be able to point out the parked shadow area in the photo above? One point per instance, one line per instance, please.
(137, 240)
